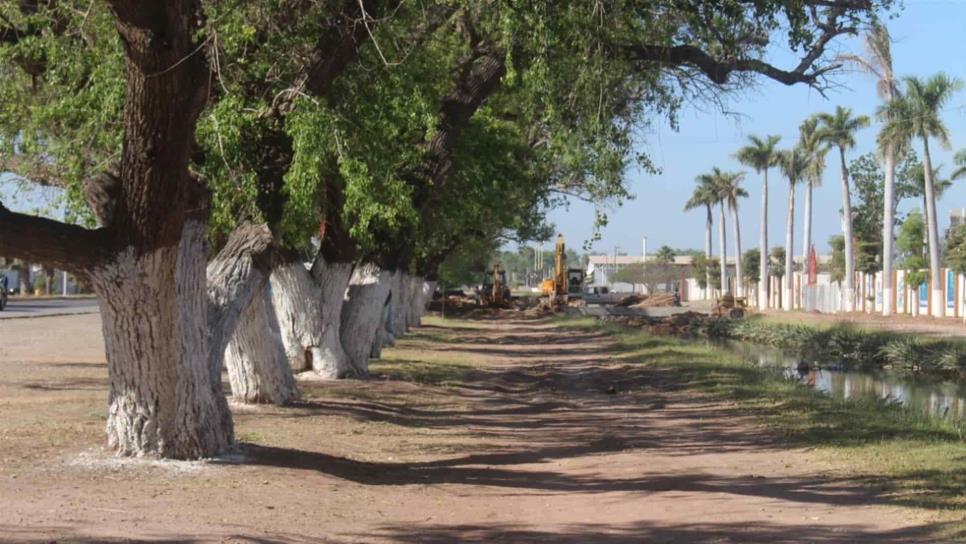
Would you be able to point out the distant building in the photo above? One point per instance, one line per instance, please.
(956, 218)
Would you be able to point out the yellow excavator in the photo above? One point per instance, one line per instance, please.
(495, 292)
(567, 283)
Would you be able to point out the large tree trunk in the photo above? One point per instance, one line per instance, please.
(415, 306)
(258, 367)
(397, 313)
(381, 338)
(788, 277)
(938, 305)
(707, 249)
(296, 300)
(763, 246)
(722, 239)
(163, 398)
(333, 280)
(888, 229)
(429, 287)
(363, 315)
(807, 227)
(739, 278)
(847, 232)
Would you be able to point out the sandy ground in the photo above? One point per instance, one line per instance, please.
(547, 437)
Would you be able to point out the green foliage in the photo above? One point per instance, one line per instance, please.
(910, 244)
(776, 262)
(703, 268)
(955, 253)
(665, 255)
(750, 262)
(837, 265)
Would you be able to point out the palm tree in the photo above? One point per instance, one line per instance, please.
(794, 164)
(960, 160)
(917, 114)
(761, 155)
(838, 129)
(814, 150)
(878, 63)
(704, 195)
(730, 190)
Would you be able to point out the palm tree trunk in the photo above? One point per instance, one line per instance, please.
(807, 234)
(936, 296)
(722, 237)
(707, 250)
(739, 286)
(763, 247)
(787, 278)
(847, 233)
(888, 229)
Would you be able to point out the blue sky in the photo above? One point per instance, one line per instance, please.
(929, 37)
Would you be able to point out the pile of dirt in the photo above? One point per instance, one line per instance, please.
(455, 304)
(648, 301)
(674, 325)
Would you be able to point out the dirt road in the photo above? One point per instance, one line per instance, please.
(530, 433)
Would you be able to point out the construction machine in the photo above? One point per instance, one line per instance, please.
(567, 283)
(495, 292)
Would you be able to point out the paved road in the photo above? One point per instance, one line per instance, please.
(46, 307)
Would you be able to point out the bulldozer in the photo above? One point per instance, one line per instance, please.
(567, 283)
(495, 292)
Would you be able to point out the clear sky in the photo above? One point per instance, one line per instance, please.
(929, 35)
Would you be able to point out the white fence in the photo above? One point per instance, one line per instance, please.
(827, 296)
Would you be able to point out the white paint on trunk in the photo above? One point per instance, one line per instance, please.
(154, 308)
(849, 291)
(296, 299)
(788, 276)
(414, 306)
(362, 315)
(936, 302)
(333, 280)
(397, 308)
(429, 287)
(258, 368)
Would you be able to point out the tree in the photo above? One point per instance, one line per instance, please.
(707, 271)
(956, 249)
(664, 255)
(751, 260)
(960, 160)
(867, 180)
(761, 154)
(910, 246)
(838, 129)
(877, 62)
(776, 268)
(794, 165)
(704, 195)
(729, 187)
(917, 115)
(814, 149)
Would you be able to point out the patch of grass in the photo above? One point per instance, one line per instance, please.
(424, 372)
(915, 461)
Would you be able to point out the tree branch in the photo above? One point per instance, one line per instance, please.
(52, 243)
(31, 170)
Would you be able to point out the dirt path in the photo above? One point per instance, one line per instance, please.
(535, 434)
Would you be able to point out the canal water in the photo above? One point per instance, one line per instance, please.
(941, 399)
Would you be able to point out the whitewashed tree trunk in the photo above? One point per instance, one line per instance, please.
(363, 315)
(788, 277)
(296, 300)
(258, 368)
(414, 308)
(382, 337)
(763, 246)
(739, 276)
(847, 232)
(722, 238)
(936, 302)
(397, 314)
(163, 399)
(707, 251)
(888, 229)
(333, 280)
